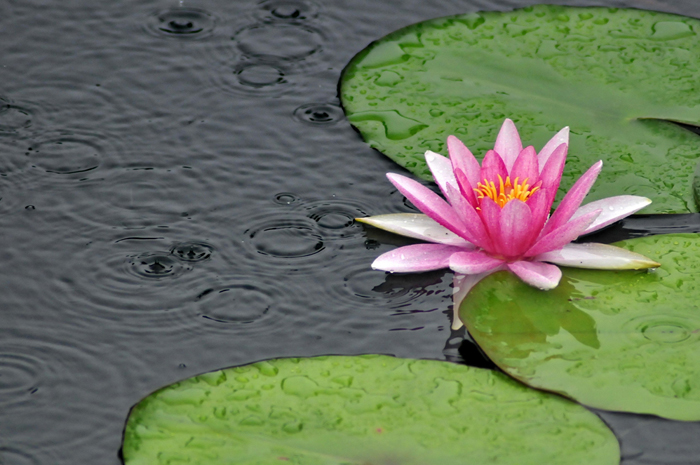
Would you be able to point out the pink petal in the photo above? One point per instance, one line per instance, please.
(442, 171)
(539, 208)
(474, 230)
(526, 167)
(562, 137)
(428, 202)
(508, 144)
(463, 160)
(473, 262)
(515, 234)
(562, 235)
(537, 274)
(461, 285)
(573, 198)
(416, 257)
(552, 171)
(597, 257)
(490, 214)
(417, 226)
(465, 187)
(614, 209)
(492, 166)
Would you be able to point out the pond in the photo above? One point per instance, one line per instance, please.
(178, 185)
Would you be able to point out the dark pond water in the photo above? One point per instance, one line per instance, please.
(178, 185)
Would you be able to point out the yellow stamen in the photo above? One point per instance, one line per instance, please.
(506, 190)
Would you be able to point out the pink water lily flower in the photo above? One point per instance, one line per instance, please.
(496, 217)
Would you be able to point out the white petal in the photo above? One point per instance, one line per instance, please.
(473, 262)
(613, 209)
(598, 257)
(537, 274)
(508, 144)
(416, 258)
(461, 285)
(562, 137)
(416, 226)
(441, 167)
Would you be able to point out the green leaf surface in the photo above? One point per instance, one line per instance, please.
(615, 340)
(366, 410)
(610, 74)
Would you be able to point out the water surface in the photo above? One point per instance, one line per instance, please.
(177, 187)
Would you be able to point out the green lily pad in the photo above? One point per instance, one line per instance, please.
(615, 76)
(615, 340)
(365, 410)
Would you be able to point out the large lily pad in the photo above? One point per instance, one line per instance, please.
(615, 340)
(361, 410)
(612, 75)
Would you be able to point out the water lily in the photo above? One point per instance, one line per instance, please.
(497, 217)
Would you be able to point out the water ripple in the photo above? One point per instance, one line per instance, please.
(54, 370)
(182, 23)
(60, 156)
(279, 41)
(254, 78)
(14, 118)
(140, 197)
(241, 300)
(155, 265)
(357, 284)
(144, 278)
(287, 10)
(66, 154)
(335, 218)
(19, 456)
(282, 240)
(319, 113)
(285, 198)
(19, 376)
(192, 251)
(272, 54)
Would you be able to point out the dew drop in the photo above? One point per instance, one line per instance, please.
(252, 420)
(292, 427)
(671, 30)
(300, 386)
(396, 126)
(266, 368)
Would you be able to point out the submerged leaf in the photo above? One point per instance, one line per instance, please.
(612, 75)
(366, 410)
(615, 340)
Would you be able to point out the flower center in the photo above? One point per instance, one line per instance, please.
(505, 191)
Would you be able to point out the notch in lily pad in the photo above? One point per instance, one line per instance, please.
(618, 77)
